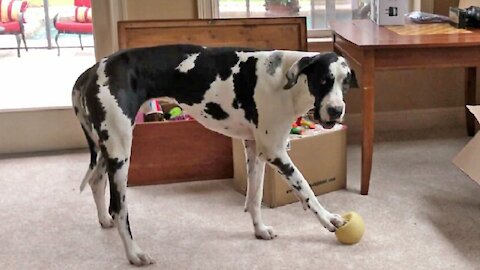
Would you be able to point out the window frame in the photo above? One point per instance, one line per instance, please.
(208, 9)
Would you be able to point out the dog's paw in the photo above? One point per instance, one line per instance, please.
(106, 221)
(264, 232)
(139, 258)
(332, 222)
(337, 220)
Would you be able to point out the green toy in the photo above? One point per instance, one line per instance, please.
(175, 112)
(297, 130)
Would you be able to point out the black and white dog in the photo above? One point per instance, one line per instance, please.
(242, 93)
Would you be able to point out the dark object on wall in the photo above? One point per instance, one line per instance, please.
(465, 18)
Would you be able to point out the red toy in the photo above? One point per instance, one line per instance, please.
(299, 126)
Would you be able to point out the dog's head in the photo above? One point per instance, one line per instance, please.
(328, 79)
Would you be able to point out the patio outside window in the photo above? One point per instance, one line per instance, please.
(39, 77)
(317, 12)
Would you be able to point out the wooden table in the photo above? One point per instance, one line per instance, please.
(374, 48)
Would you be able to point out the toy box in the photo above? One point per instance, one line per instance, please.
(166, 152)
(321, 158)
(178, 151)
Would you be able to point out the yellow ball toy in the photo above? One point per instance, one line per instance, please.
(352, 231)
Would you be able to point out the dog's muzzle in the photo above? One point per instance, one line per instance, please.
(335, 116)
(335, 113)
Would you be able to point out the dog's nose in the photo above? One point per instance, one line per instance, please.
(335, 112)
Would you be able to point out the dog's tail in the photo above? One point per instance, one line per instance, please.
(92, 167)
(86, 179)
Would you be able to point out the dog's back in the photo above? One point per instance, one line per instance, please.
(181, 72)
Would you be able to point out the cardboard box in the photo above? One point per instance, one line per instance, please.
(389, 12)
(468, 159)
(321, 159)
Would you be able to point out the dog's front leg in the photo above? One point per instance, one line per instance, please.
(295, 179)
(256, 172)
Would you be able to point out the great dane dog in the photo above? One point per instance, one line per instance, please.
(242, 93)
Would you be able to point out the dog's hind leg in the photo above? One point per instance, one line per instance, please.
(114, 129)
(96, 172)
(253, 201)
(97, 183)
(116, 151)
(117, 167)
(96, 178)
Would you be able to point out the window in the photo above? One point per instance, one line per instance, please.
(317, 12)
(24, 72)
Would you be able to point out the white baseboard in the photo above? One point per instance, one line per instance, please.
(410, 120)
(35, 130)
(39, 130)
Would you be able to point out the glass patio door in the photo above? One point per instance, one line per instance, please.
(39, 29)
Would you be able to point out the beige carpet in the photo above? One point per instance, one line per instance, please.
(422, 213)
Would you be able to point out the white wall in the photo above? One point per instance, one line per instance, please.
(427, 97)
(39, 130)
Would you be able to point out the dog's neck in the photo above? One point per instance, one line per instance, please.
(303, 100)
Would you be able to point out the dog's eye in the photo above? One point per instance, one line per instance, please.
(323, 81)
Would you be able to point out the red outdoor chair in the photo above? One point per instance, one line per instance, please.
(12, 18)
(79, 23)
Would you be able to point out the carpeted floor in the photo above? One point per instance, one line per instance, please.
(422, 213)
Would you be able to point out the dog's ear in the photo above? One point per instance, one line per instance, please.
(353, 79)
(296, 69)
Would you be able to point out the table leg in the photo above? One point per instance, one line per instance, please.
(368, 97)
(470, 97)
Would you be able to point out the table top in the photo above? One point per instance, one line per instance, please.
(367, 34)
